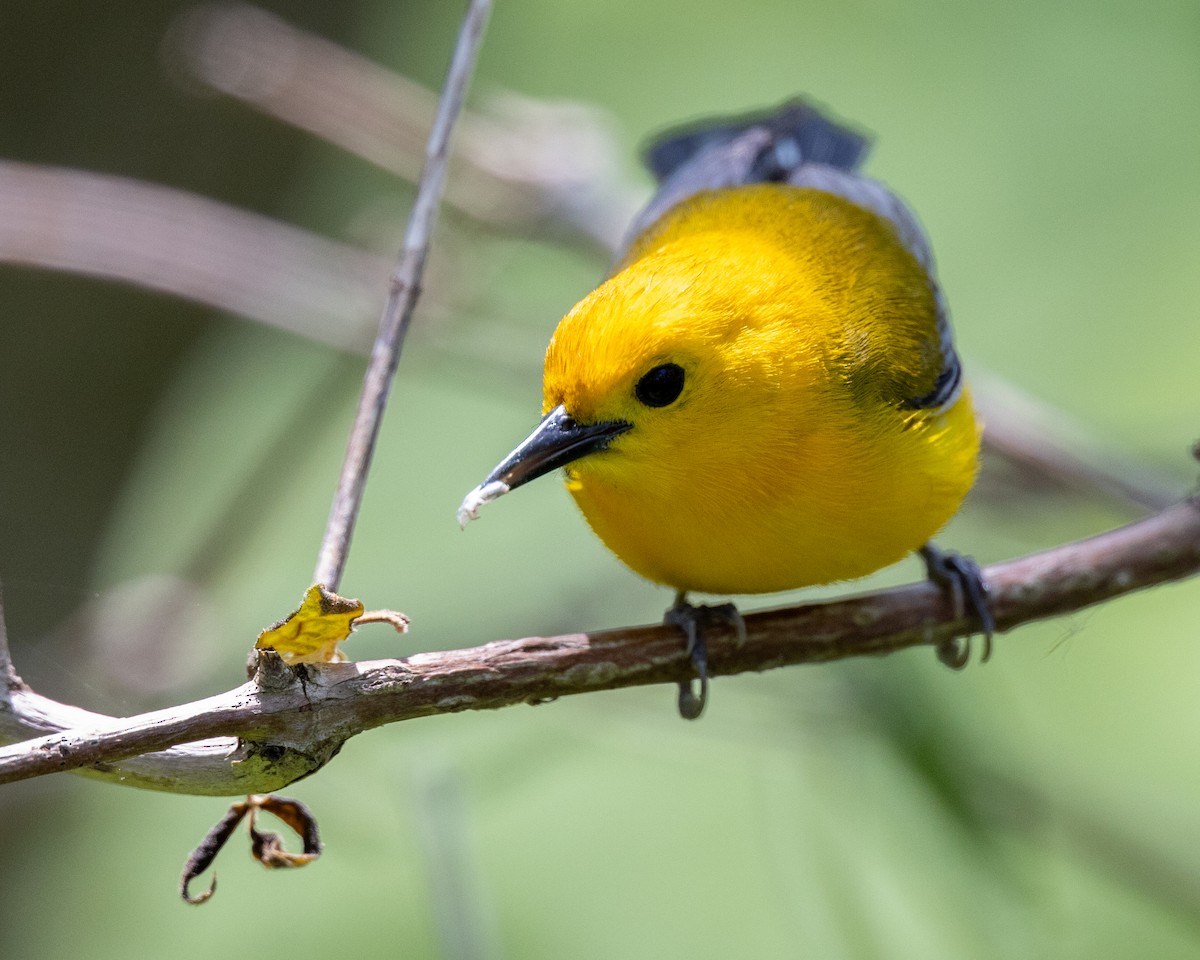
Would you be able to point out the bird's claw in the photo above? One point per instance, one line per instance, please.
(955, 653)
(691, 704)
(961, 577)
(692, 620)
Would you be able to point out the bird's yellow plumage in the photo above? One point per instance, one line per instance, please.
(802, 325)
(765, 394)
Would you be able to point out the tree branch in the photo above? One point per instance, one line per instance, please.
(295, 721)
(402, 298)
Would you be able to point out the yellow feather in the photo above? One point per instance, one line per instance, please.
(802, 324)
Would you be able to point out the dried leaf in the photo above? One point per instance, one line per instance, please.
(203, 856)
(266, 848)
(312, 633)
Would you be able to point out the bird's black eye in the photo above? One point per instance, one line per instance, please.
(661, 386)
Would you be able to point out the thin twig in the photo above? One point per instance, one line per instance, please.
(402, 298)
(291, 728)
(5, 653)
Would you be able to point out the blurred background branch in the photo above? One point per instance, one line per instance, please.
(190, 247)
(523, 165)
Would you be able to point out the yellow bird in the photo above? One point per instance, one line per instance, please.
(765, 393)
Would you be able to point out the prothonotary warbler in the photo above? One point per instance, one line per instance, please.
(764, 394)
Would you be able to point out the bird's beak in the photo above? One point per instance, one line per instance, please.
(557, 441)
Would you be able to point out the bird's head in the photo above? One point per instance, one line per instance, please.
(668, 372)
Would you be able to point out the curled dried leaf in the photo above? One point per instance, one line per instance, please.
(265, 847)
(204, 854)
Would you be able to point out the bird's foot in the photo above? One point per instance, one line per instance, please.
(693, 621)
(961, 577)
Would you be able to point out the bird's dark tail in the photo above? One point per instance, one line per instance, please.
(798, 133)
(770, 146)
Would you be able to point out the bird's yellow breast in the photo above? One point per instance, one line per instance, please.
(802, 325)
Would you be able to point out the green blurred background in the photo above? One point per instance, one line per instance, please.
(157, 456)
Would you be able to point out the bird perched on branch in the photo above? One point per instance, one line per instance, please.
(764, 394)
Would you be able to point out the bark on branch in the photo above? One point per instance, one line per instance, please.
(290, 724)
